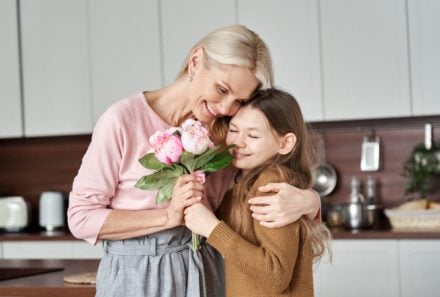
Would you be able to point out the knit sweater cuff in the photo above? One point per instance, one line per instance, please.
(221, 237)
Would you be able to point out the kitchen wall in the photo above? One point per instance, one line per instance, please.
(398, 136)
(344, 61)
(32, 165)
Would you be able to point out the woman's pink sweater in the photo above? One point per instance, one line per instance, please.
(110, 168)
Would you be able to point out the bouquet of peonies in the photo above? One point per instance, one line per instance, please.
(177, 151)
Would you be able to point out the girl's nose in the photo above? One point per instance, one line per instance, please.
(239, 140)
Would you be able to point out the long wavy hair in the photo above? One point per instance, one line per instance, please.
(284, 115)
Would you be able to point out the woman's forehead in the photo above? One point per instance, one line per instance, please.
(241, 81)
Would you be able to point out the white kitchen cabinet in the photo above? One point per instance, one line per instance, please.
(359, 268)
(424, 37)
(66, 249)
(56, 78)
(184, 23)
(365, 64)
(84, 250)
(420, 268)
(1, 250)
(36, 250)
(125, 48)
(10, 95)
(291, 30)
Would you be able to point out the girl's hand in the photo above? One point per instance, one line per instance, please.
(186, 192)
(286, 206)
(199, 219)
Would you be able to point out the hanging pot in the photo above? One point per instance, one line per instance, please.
(324, 179)
(324, 174)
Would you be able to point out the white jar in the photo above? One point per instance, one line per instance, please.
(52, 212)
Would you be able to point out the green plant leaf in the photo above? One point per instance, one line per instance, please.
(221, 161)
(188, 160)
(149, 161)
(205, 157)
(419, 168)
(158, 179)
(179, 170)
(165, 192)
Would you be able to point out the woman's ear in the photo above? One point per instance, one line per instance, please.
(195, 59)
(287, 144)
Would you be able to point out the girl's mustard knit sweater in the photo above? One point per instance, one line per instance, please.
(263, 261)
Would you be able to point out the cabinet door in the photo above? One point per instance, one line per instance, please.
(37, 250)
(365, 59)
(424, 36)
(10, 97)
(290, 29)
(55, 67)
(184, 23)
(84, 250)
(359, 268)
(420, 267)
(125, 49)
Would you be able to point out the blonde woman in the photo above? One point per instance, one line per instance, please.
(146, 245)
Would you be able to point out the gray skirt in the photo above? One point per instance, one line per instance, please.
(160, 265)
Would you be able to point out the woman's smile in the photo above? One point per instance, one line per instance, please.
(210, 109)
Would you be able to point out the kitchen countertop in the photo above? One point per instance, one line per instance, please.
(51, 283)
(338, 233)
(341, 233)
(30, 236)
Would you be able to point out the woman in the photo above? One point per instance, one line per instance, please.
(219, 74)
(271, 146)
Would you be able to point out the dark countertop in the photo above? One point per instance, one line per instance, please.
(51, 283)
(33, 236)
(338, 233)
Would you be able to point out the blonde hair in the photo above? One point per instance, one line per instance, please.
(235, 45)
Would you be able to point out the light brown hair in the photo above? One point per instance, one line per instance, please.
(284, 115)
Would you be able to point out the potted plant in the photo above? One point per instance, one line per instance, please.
(421, 165)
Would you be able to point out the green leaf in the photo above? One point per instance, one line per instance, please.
(188, 160)
(165, 192)
(206, 157)
(149, 161)
(158, 179)
(221, 161)
(179, 170)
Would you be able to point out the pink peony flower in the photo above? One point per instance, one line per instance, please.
(195, 137)
(200, 176)
(167, 147)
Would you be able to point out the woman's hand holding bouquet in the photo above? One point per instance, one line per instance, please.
(178, 152)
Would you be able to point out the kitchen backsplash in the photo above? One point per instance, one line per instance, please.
(30, 166)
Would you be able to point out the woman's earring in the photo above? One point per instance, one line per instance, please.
(191, 75)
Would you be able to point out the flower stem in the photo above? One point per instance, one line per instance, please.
(195, 241)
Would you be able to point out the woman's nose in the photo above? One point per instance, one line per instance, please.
(228, 107)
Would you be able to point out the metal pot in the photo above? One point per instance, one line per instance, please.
(335, 216)
(360, 216)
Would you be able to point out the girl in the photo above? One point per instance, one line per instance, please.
(271, 146)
